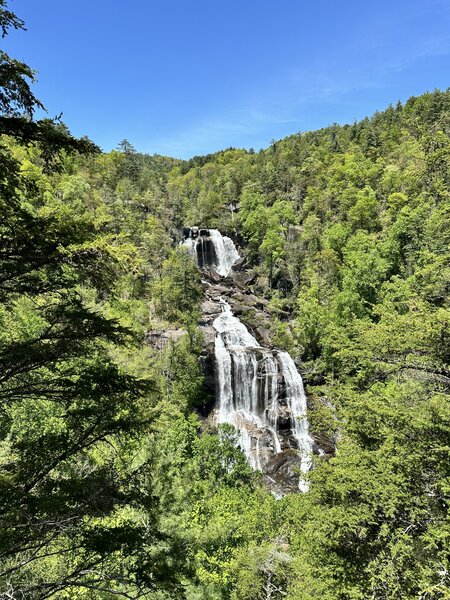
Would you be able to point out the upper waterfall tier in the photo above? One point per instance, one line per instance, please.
(211, 249)
(260, 393)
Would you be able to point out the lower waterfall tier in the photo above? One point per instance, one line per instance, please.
(260, 393)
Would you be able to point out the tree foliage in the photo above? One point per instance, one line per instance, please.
(111, 485)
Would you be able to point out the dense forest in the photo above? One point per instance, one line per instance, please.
(112, 483)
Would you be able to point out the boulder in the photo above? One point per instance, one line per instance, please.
(215, 292)
(211, 276)
(240, 264)
(210, 309)
(242, 280)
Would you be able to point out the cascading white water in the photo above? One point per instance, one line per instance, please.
(211, 249)
(249, 378)
(296, 399)
(260, 390)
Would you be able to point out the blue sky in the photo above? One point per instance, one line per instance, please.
(187, 77)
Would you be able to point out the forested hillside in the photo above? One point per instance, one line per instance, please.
(112, 482)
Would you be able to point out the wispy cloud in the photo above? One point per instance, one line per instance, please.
(325, 82)
(423, 50)
(214, 133)
(289, 99)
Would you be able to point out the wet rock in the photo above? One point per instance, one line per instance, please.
(282, 473)
(284, 421)
(228, 281)
(209, 385)
(240, 264)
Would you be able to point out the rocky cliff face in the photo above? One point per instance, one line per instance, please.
(275, 455)
(257, 387)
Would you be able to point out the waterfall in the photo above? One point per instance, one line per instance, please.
(210, 249)
(260, 393)
(296, 399)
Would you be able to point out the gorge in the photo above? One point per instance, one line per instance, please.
(131, 378)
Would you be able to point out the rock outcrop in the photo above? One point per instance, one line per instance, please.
(159, 339)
